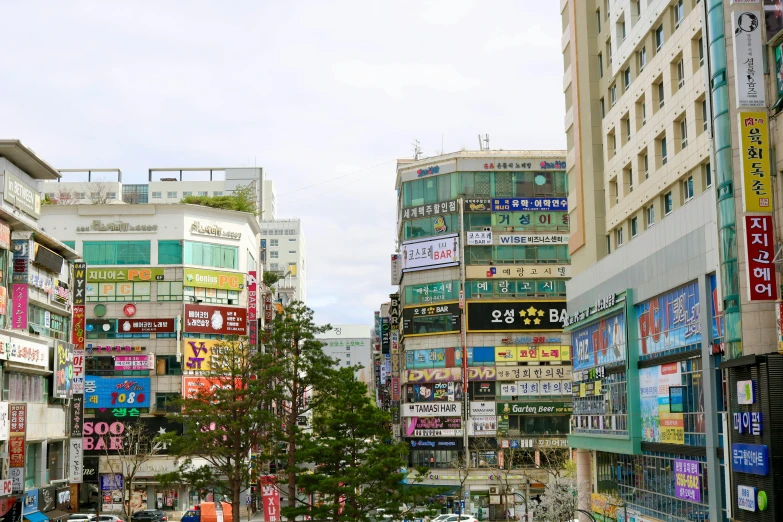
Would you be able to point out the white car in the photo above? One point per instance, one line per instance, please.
(442, 518)
(110, 518)
(82, 517)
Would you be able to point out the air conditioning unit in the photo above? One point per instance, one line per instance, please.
(494, 490)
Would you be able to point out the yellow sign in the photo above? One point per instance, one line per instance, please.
(198, 354)
(603, 505)
(754, 161)
(506, 354)
(542, 353)
(517, 271)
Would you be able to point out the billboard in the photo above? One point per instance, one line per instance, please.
(433, 409)
(669, 321)
(116, 392)
(538, 271)
(433, 426)
(759, 256)
(754, 162)
(426, 254)
(136, 325)
(225, 320)
(63, 370)
(515, 316)
(659, 424)
(748, 58)
(600, 343)
(203, 278)
(124, 274)
(431, 319)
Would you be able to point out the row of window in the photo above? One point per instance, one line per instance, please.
(275, 242)
(449, 290)
(274, 254)
(172, 194)
(170, 252)
(437, 189)
(528, 221)
(518, 254)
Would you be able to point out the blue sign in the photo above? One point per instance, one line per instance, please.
(749, 458)
(111, 482)
(669, 321)
(481, 354)
(511, 204)
(601, 343)
(116, 392)
(30, 502)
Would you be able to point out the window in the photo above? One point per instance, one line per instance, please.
(614, 94)
(21, 387)
(116, 252)
(659, 38)
(598, 20)
(78, 195)
(680, 74)
(668, 204)
(630, 179)
(609, 49)
(678, 13)
(207, 254)
(608, 244)
(627, 77)
(634, 227)
(650, 216)
(186, 194)
(622, 30)
(661, 95)
(664, 152)
(70, 244)
(619, 237)
(171, 194)
(111, 291)
(95, 196)
(646, 163)
(274, 267)
(614, 143)
(600, 65)
(615, 191)
(218, 193)
(32, 468)
(55, 457)
(684, 132)
(169, 291)
(637, 7)
(292, 251)
(203, 193)
(157, 195)
(273, 242)
(112, 195)
(687, 188)
(291, 239)
(274, 254)
(642, 59)
(704, 114)
(169, 252)
(644, 113)
(603, 109)
(166, 402)
(707, 175)
(628, 128)
(701, 51)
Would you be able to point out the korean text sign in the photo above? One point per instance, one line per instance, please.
(215, 319)
(754, 162)
(600, 343)
(750, 458)
(515, 316)
(18, 427)
(687, 480)
(669, 321)
(116, 392)
(760, 252)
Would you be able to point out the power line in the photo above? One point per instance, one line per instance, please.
(335, 188)
(334, 179)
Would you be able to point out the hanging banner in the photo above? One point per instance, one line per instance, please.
(78, 370)
(76, 461)
(224, 320)
(136, 325)
(748, 58)
(252, 310)
(16, 444)
(754, 161)
(19, 314)
(5, 421)
(759, 256)
(270, 496)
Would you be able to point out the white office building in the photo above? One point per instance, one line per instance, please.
(283, 251)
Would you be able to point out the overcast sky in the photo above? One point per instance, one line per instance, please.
(309, 90)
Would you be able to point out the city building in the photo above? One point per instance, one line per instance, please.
(350, 345)
(283, 252)
(644, 315)
(163, 284)
(270, 201)
(480, 367)
(36, 300)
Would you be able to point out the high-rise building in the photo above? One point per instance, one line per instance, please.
(483, 374)
(644, 314)
(284, 252)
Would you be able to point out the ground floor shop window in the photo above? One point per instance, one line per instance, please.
(32, 465)
(434, 459)
(167, 499)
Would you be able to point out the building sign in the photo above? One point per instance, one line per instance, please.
(432, 409)
(137, 325)
(433, 426)
(203, 278)
(748, 422)
(746, 392)
(77, 416)
(385, 336)
(439, 391)
(252, 310)
(63, 370)
(268, 310)
(669, 321)
(76, 460)
(98, 226)
(394, 311)
(534, 408)
(95, 275)
(200, 318)
(484, 425)
(107, 435)
(748, 58)
(5, 236)
(602, 304)
(396, 269)
(431, 319)
(601, 343)
(480, 237)
(541, 271)
(426, 254)
(544, 353)
(687, 480)
(535, 387)
(21, 261)
(23, 351)
(755, 162)
(515, 316)
(659, 424)
(433, 358)
(200, 229)
(21, 195)
(533, 239)
(482, 408)
(432, 209)
(426, 444)
(116, 392)
(749, 458)
(513, 204)
(125, 363)
(746, 497)
(759, 256)
(532, 373)
(19, 307)
(16, 444)
(477, 205)
(395, 386)
(198, 353)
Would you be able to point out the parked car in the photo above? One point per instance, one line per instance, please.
(82, 517)
(110, 518)
(149, 515)
(460, 518)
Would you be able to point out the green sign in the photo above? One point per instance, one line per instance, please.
(214, 279)
(534, 408)
(124, 274)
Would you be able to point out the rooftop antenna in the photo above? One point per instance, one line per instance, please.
(416, 149)
(486, 142)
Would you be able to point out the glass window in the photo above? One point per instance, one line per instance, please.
(166, 402)
(169, 290)
(619, 235)
(642, 59)
(661, 95)
(273, 242)
(634, 227)
(664, 151)
(600, 65)
(47, 324)
(22, 387)
(431, 292)
(687, 188)
(169, 252)
(684, 132)
(116, 252)
(70, 244)
(659, 37)
(207, 254)
(603, 109)
(627, 77)
(110, 291)
(171, 194)
(668, 204)
(650, 216)
(614, 93)
(203, 193)
(707, 175)
(218, 193)
(157, 195)
(274, 254)
(186, 194)
(32, 458)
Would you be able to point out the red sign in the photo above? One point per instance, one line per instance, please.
(145, 325)
(395, 388)
(18, 428)
(215, 320)
(270, 496)
(268, 308)
(77, 328)
(759, 253)
(129, 310)
(252, 310)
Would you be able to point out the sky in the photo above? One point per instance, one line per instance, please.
(309, 90)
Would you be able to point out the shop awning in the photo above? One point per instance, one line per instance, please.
(36, 517)
(56, 514)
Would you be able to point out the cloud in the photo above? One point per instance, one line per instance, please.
(531, 37)
(396, 78)
(446, 12)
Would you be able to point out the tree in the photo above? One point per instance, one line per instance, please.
(357, 464)
(270, 278)
(224, 420)
(242, 199)
(138, 446)
(99, 192)
(300, 368)
(560, 499)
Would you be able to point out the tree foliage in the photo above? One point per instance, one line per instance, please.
(242, 199)
(560, 499)
(271, 278)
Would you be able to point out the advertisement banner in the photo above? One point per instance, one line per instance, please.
(534, 408)
(224, 320)
(749, 458)
(601, 343)
(63, 370)
(78, 370)
(658, 423)
(111, 482)
(21, 270)
(486, 425)
(431, 392)
(687, 480)
(432, 409)
(252, 310)
(532, 373)
(18, 429)
(203, 278)
(195, 386)
(5, 236)
(479, 408)
(506, 204)
(515, 316)
(442, 375)
(755, 162)
(124, 363)
(26, 352)
(477, 205)
(517, 271)
(197, 354)
(531, 219)
(385, 336)
(433, 426)
(396, 269)
(5, 421)
(76, 461)
(78, 327)
(95, 275)
(431, 319)
(21, 195)
(479, 237)
(270, 497)
(426, 254)
(116, 392)
(395, 388)
(543, 353)
(19, 314)
(137, 325)
(106, 435)
(77, 416)
(748, 57)
(759, 256)
(433, 358)
(533, 239)
(433, 209)
(669, 321)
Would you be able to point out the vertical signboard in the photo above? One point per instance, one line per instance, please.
(385, 336)
(754, 162)
(76, 442)
(759, 256)
(270, 496)
(252, 310)
(19, 314)
(78, 325)
(16, 444)
(749, 76)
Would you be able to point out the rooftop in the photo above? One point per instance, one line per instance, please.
(27, 160)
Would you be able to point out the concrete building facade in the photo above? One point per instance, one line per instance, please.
(284, 252)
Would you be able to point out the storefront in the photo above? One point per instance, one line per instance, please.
(435, 452)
